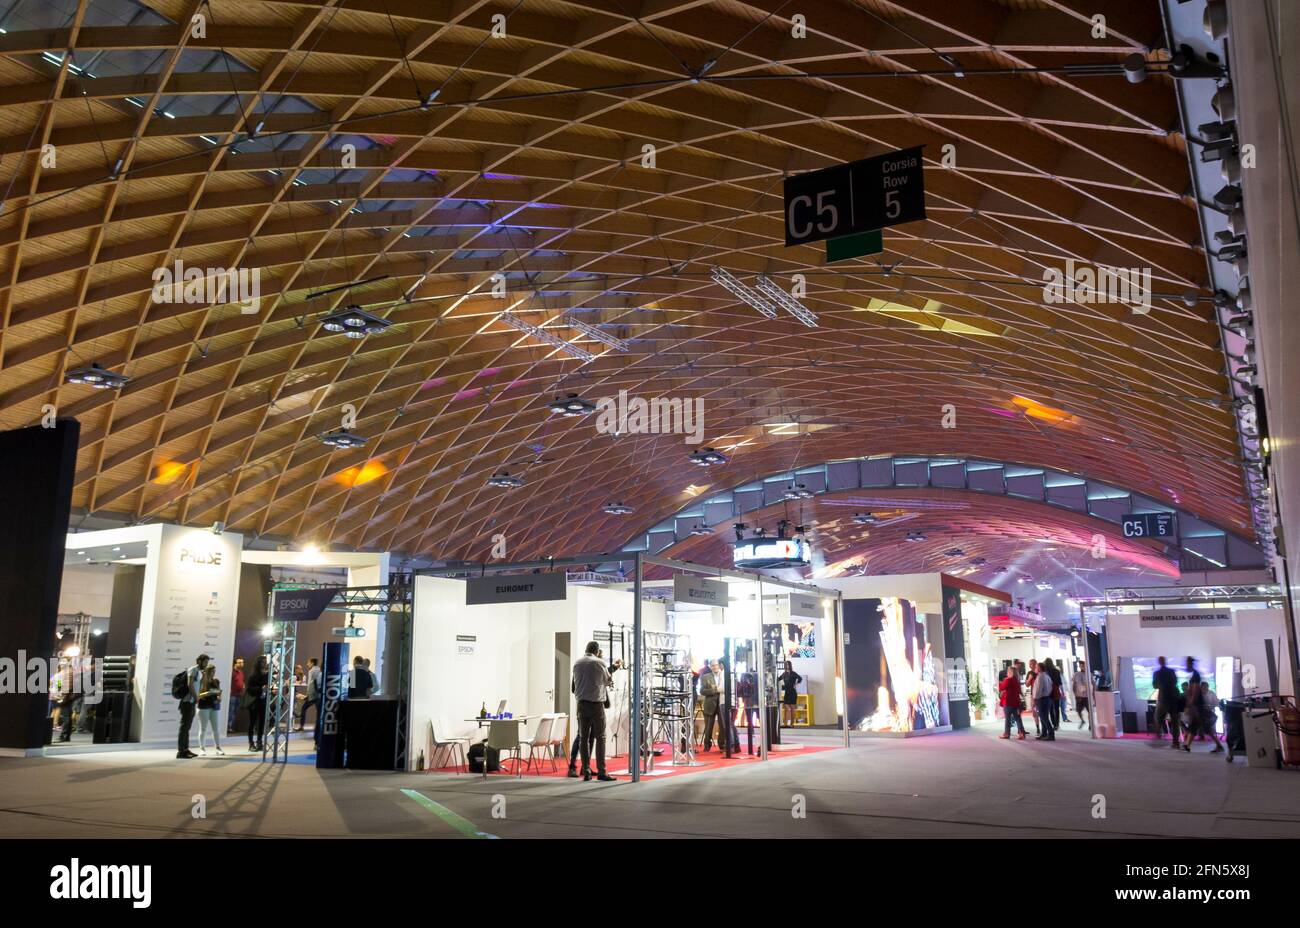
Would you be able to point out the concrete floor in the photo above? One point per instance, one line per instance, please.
(964, 784)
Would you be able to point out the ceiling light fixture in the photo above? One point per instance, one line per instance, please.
(707, 457)
(798, 491)
(342, 439)
(915, 536)
(865, 518)
(555, 341)
(354, 322)
(571, 405)
(701, 529)
(505, 480)
(742, 292)
(97, 377)
(617, 509)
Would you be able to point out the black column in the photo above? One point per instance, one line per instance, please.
(36, 471)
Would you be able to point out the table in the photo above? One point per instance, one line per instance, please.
(515, 718)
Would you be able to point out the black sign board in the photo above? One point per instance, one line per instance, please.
(303, 605)
(873, 193)
(1149, 525)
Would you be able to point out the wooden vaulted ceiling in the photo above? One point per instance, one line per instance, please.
(528, 164)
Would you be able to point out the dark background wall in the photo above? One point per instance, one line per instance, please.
(124, 613)
(36, 470)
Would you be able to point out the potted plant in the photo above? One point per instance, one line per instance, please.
(976, 697)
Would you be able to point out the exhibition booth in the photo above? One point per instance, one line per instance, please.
(500, 640)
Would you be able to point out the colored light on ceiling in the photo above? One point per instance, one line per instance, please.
(166, 472)
(356, 476)
(1037, 410)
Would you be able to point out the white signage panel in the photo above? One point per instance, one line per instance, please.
(1185, 618)
(698, 590)
(805, 606)
(466, 645)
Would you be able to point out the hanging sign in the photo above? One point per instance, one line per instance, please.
(698, 590)
(516, 588)
(304, 605)
(861, 196)
(805, 606)
(1149, 525)
(1185, 618)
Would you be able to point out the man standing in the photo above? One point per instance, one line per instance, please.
(313, 691)
(576, 749)
(188, 703)
(590, 684)
(1165, 682)
(1079, 684)
(1042, 693)
(711, 683)
(236, 694)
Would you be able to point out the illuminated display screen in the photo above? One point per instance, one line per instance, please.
(766, 552)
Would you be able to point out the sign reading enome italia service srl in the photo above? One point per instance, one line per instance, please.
(515, 588)
(1185, 618)
(688, 589)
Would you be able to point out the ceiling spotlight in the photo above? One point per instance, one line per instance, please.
(701, 529)
(707, 457)
(505, 480)
(1228, 197)
(1224, 103)
(571, 405)
(354, 322)
(1022, 580)
(1043, 585)
(342, 439)
(97, 377)
(1243, 299)
(218, 527)
(915, 536)
(1135, 68)
(954, 552)
(798, 491)
(864, 518)
(617, 509)
(979, 561)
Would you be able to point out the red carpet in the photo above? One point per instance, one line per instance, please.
(663, 764)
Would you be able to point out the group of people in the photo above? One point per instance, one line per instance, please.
(1041, 689)
(1189, 709)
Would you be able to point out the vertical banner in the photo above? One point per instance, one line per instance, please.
(329, 719)
(954, 649)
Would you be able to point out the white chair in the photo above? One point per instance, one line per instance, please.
(503, 735)
(453, 747)
(541, 740)
(558, 728)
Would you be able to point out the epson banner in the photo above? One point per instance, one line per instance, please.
(301, 605)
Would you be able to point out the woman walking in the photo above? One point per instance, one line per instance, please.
(255, 698)
(209, 704)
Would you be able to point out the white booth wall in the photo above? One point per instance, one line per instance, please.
(512, 657)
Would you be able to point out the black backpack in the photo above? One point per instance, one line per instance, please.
(181, 685)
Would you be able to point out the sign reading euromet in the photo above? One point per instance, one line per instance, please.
(847, 199)
(702, 592)
(516, 588)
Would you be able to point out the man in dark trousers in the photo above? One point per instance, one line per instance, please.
(1165, 682)
(577, 742)
(188, 703)
(591, 682)
(711, 686)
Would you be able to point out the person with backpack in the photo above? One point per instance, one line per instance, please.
(185, 688)
(1054, 705)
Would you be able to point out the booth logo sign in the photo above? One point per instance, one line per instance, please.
(207, 286)
(200, 558)
(333, 691)
(624, 415)
(36, 675)
(104, 881)
(1087, 285)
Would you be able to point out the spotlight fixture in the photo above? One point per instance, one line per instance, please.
(1043, 585)
(617, 509)
(701, 529)
(1215, 19)
(354, 322)
(798, 491)
(979, 561)
(746, 294)
(343, 439)
(954, 552)
(218, 527)
(773, 291)
(571, 405)
(97, 377)
(505, 480)
(739, 529)
(865, 518)
(1135, 68)
(915, 536)
(707, 457)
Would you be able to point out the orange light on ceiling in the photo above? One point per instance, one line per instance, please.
(1036, 410)
(356, 476)
(169, 471)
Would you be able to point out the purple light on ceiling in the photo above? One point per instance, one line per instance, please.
(491, 176)
(487, 372)
(466, 394)
(433, 382)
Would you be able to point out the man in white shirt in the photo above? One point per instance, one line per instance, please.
(1079, 684)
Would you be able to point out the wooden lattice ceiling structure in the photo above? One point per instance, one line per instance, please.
(527, 164)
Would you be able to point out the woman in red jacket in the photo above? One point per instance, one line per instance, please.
(1010, 699)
